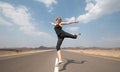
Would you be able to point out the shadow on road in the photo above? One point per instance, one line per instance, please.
(70, 61)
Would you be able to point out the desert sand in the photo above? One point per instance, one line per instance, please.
(14, 53)
(99, 52)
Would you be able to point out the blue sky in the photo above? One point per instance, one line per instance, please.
(26, 23)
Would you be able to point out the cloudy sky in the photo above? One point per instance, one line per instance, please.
(26, 23)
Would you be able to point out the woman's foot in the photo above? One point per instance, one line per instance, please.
(60, 62)
(78, 34)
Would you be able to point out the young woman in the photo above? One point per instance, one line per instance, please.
(62, 34)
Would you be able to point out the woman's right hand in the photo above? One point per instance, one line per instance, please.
(76, 21)
(53, 24)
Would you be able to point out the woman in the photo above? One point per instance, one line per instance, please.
(62, 34)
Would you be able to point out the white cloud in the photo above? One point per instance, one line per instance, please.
(70, 19)
(4, 22)
(20, 16)
(89, 6)
(48, 3)
(98, 8)
(73, 29)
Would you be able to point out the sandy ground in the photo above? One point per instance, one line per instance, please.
(14, 53)
(107, 53)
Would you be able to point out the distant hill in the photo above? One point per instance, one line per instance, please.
(44, 47)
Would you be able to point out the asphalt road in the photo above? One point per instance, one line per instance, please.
(39, 62)
(45, 62)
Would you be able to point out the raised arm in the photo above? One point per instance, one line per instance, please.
(53, 24)
(65, 23)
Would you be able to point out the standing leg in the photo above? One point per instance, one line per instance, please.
(59, 56)
(60, 40)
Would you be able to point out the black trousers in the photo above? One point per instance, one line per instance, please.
(61, 38)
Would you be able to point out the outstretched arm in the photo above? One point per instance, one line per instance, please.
(53, 24)
(65, 23)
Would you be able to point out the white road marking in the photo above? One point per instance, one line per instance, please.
(56, 69)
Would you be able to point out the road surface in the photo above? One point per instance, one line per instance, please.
(45, 62)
